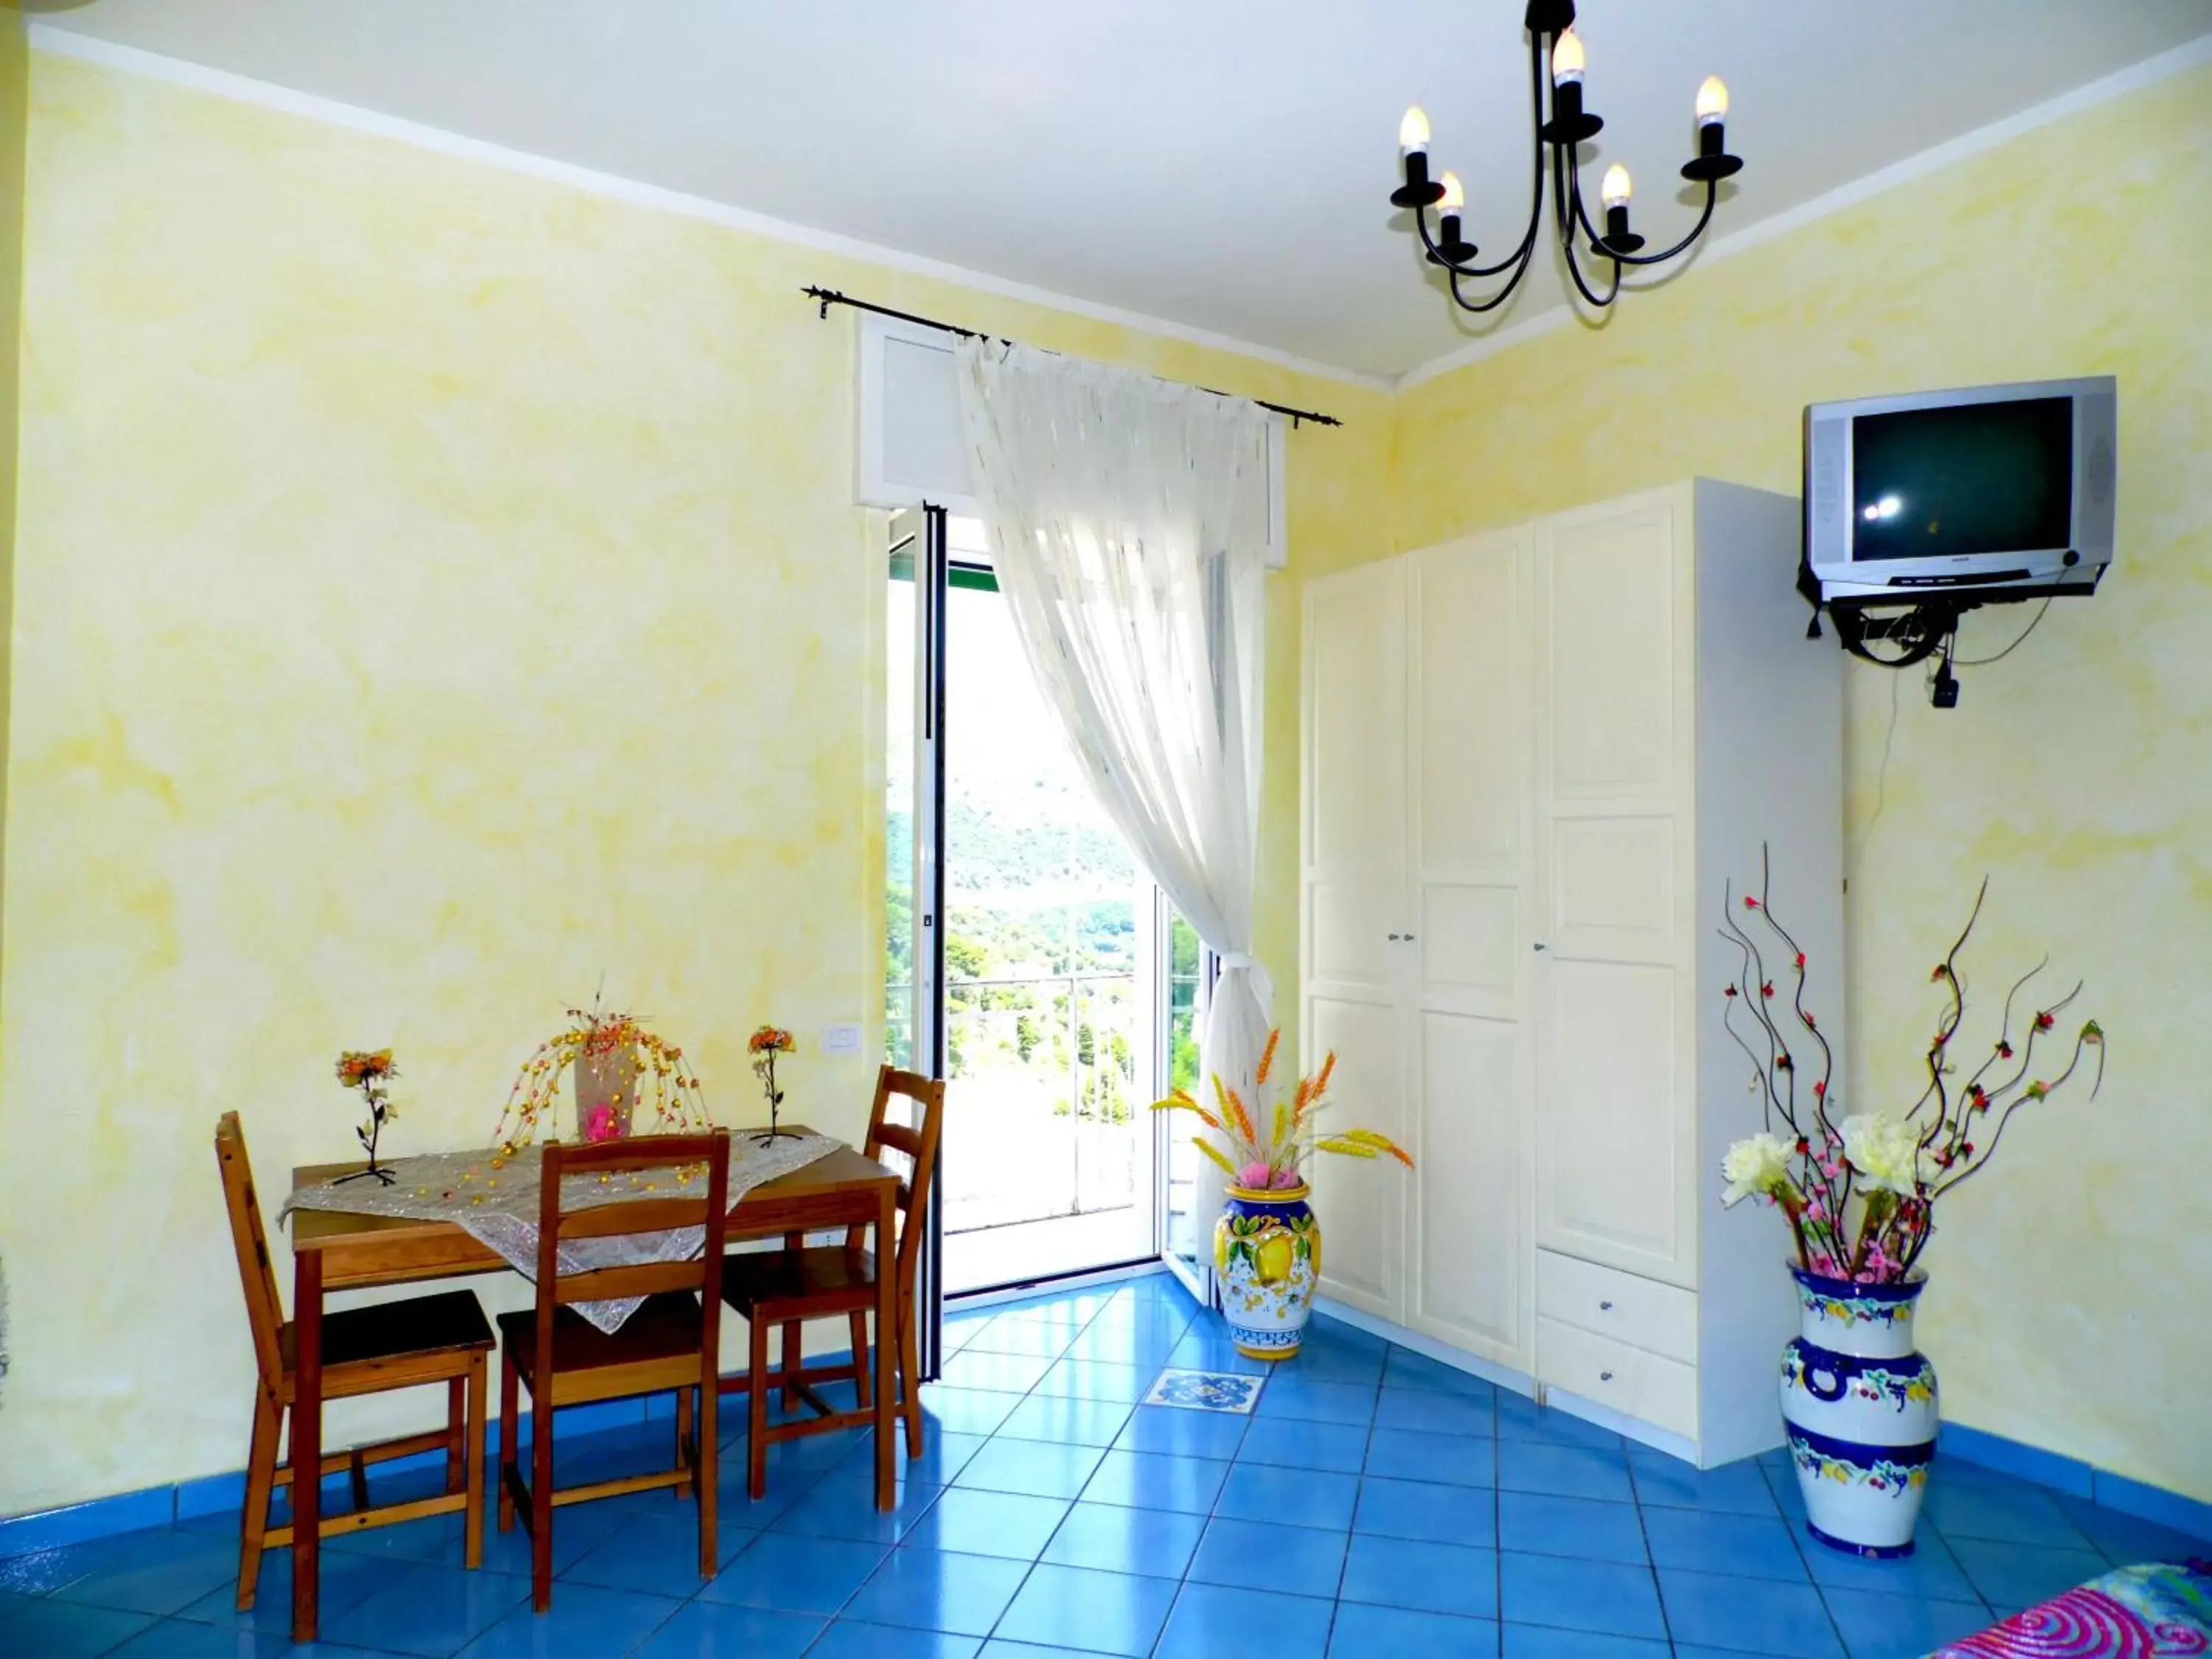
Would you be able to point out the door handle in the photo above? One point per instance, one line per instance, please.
(1394, 939)
(1605, 1377)
(1604, 1307)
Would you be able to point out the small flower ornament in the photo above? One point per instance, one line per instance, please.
(766, 1044)
(370, 1071)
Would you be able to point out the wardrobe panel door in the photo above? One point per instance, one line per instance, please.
(1361, 1203)
(1471, 1262)
(1607, 698)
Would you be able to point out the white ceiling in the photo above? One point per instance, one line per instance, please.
(1223, 165)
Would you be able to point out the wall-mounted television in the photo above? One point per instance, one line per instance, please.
(1995, 491)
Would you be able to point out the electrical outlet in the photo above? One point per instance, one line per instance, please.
(841, 1040)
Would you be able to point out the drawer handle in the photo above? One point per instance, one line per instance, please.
(1605, 1377)
(1604, 1307)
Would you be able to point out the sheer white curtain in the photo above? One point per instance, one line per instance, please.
(1128, 521)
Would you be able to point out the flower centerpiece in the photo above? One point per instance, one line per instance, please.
(1266, 1245)
(766, 1044)
(616, 1062)
(370, 1071)
(1859, 1190)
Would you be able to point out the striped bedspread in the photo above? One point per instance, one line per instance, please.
(2134, 1612)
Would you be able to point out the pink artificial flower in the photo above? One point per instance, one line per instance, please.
(1254, 1176)
(600, 1125)
(1287, 1178)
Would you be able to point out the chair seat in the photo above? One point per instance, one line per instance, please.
(827, 1278)
(667, 1327)
(451, 1321)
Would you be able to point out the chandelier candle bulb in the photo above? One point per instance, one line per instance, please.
(1419, 191)
(1567, 60)
(1617, 188)
(1712, 101)
(1414, 130)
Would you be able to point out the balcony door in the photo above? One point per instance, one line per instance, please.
(1030, 960)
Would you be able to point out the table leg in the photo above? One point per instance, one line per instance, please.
(306, 1455)
(886, 1346)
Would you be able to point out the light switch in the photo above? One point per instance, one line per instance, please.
(841, 1040)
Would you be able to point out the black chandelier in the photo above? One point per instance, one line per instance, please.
(1568, 125)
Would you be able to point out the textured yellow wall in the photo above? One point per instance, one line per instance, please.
(14, 126)
(438, 588)
(2070, 1284)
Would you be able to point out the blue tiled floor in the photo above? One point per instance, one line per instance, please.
(1376, 1504)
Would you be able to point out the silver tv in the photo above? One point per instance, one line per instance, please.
(1993, 492)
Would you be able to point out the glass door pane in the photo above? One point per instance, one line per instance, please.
(1186, 1235)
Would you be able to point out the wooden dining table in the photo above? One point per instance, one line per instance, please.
(338, 1250)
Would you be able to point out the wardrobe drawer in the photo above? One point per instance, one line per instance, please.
(1641, 1312)
(1645, 1386)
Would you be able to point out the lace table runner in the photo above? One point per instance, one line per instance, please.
(494, 1200)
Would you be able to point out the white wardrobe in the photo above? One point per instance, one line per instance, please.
(1534, 761)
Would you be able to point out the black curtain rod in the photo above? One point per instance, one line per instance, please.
(829, 296)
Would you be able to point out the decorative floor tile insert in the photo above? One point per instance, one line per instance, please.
(1205, 1391)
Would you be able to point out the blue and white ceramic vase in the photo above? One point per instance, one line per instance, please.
(1862, 1409)
(1266, 1254)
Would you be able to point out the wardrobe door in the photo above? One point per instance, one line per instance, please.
(1354, 922)
(1468, 765)
(1615, 1066)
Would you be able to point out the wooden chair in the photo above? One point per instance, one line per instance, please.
(787, 1287)
(672, 1343)
(398, 1345)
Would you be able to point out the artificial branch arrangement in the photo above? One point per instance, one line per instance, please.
(1277, 1161)
(624, 1059)
(1860, 1191)
(370, 1072)
(766, 1044)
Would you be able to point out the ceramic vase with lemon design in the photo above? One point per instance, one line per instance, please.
(1266, 1255)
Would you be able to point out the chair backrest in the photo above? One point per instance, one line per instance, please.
(671, 1156)
(919, 1142)
(265, 1312)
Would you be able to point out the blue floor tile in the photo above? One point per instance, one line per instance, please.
(1321, 1363)
(715, 1630)
(1209, 1620)
(1011, 1525)
(1522, 1419)
(1408, 1370)
(1341, 1447)
(1154, 1543)
(1538, 1524)
(1395, 1572)
(795, 1574)
(937, 1589)
(1033, 1467)
(1563, 1471)
(583, 1620)
(1182, 1433)
(1126, 1345)
(1010, 1334)
(1425, 1510)
(964, 1410)
(1748, 1615)
(847, 1639)
(431, 1611)
(1928, 1573)
(64, 1630)
(975, 1368)
(1876, 1626)
(1066, 1421)
(1153, 1480)
(1366, 1631)
(1669, 1483)
(1550, 1642)
(1611, 1598)
(1097, 1379)
(2007, 1512)
(655, 1555)
(1097, 1612)
(1297, 1497)
(1317, 1403)
(844, 1506)
(2018, 1575)
(943, 1456)
(2123, 1539)
(172, 1638)
(1431, 1413)
(1751, 1546)
(1410, 1455)
(159, 1571)
(1256, 1555)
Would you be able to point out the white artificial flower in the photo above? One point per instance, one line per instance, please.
(1755, 1167)
(1885, 1151)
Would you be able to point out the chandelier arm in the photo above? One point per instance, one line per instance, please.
(1575, 195)
(1563, 174)
(1478, 307)
(1713, 196)
(1519, 254)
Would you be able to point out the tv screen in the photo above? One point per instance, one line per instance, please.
(1989, 478)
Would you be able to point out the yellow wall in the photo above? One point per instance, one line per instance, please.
(14, 125)
(2069, 1283)
(438, 588)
